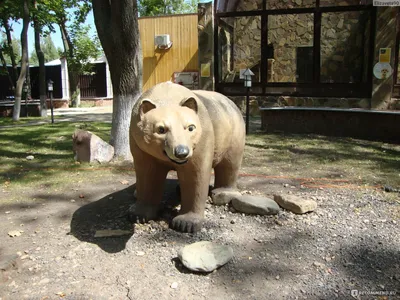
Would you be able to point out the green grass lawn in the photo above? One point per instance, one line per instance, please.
(312, 156)
(294, 156)
(51, 146)
(5, 121)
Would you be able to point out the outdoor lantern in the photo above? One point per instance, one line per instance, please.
(25, 87)
(247, 77)
(50, 85)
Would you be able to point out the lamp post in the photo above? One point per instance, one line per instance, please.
(247, 83)
(50, 89)
(25, 89)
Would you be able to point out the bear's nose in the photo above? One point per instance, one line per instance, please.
(181, 151)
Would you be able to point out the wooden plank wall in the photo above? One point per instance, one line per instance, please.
(159, 65)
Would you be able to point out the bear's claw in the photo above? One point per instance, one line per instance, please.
(142, 213)
(187, 223)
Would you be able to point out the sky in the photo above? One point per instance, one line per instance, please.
(56, 36)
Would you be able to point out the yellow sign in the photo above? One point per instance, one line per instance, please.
(385, 55)
(205, 70)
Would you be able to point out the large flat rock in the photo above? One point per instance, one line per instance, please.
(255, 205)
(295, 204)
(205, 256)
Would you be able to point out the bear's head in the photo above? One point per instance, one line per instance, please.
(170, 132)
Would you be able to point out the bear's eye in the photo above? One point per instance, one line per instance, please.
(161, 129)
(191, 127)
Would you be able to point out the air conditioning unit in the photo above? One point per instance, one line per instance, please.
(163, 41)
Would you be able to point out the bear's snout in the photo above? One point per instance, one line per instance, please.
(181, 151)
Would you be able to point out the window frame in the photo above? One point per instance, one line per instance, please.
(314, 89)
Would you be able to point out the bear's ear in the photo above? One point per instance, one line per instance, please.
(190, 103)
(146, 106)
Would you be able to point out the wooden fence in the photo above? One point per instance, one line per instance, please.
(160, 65)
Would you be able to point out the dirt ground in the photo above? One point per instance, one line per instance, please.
(351, 242)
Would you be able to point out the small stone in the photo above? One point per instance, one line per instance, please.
(295, 204)
(140, 253)
(222, 196)
(205, 256)
(44, 281)
(30, 157)
(255, 205)
(15, 233)
(72, 200)
(233, 221)
(174, 285)
(277, 277)
(319, 265)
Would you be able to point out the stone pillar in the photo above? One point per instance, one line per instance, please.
(206, 46)
(108, 82)
(64, 79)
(385, 37)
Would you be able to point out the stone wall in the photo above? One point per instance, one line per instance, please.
(343, 43)
(206, 45)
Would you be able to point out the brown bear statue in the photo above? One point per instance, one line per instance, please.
(191, 132)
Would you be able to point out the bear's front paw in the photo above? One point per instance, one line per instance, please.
(189, 222)
(142, 212)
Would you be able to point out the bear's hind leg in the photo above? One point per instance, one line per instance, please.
(225, 186)
(226, 173)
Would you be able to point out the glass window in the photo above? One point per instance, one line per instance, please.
(344, 46)
(290, 38)
(239, 47)
(279, 4)
(232, 5)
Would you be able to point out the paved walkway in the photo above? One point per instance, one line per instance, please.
(88, 114)
(91, 114)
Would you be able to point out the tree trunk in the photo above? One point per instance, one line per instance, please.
(42, 70)
(4, 63)
(118, 29)
(74, 88)
(73, 76)
(7, 27)
(28, 82)
(24, 61)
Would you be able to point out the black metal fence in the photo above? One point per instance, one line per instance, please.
(92, 86)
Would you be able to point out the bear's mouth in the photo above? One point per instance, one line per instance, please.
(177, 162)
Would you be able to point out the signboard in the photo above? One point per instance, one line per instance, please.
(385, 55)
(382, 70)
(205, 70)
(187, 79)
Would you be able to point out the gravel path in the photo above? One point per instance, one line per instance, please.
(350, 242)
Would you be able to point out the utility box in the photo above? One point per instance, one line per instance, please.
(163, 41)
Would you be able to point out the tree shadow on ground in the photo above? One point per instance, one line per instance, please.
(373, 265)
(111, 213)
